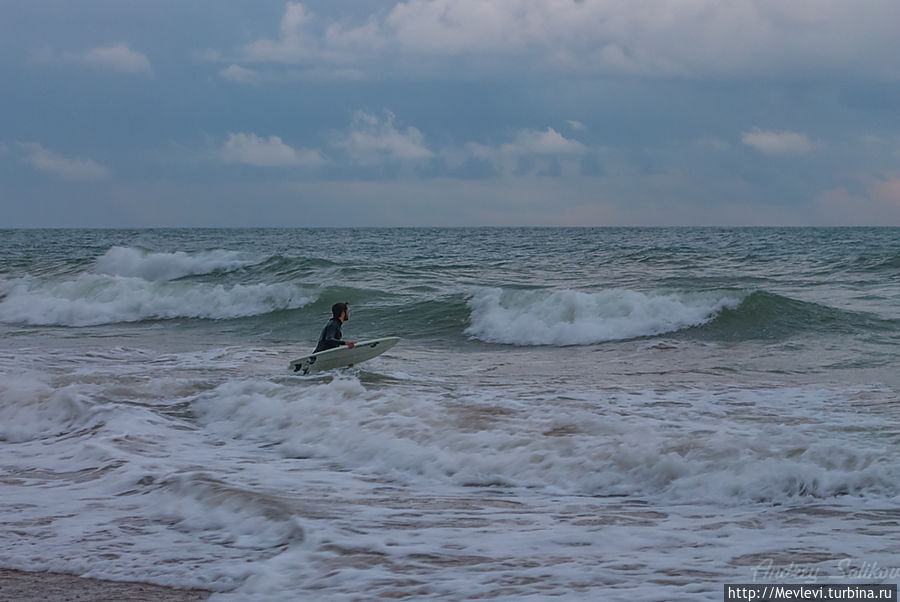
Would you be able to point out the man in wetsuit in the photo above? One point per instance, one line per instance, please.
(332, 336)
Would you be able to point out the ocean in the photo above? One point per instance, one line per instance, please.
(572, 413)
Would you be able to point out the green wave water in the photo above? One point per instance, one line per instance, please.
(780, 281)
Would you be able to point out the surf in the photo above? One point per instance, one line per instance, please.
(157, 266)
(91, 300)
(568, 317)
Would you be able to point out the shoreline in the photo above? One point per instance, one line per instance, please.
(24, 586)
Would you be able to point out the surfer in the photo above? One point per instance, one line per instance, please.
(332, 336)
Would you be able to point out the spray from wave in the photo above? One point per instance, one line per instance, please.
(567, 317)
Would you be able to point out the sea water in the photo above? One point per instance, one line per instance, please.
(571, 414)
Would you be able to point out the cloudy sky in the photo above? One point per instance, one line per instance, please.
(128, 113)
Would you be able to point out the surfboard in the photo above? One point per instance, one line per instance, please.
(342, 356)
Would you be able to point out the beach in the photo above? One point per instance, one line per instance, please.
(55, 587)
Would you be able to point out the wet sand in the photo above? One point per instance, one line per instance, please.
(54, 587)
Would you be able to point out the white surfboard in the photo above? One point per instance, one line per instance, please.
(342, 356)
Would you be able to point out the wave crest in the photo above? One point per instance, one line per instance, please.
(161, 266)
(566, 317)
(90, 300)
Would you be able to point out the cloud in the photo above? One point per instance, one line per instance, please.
(778, 143)
(302, 37)
(119, 58)
(240, 75)
(371, 140)
(549, 142)
(576, 125)
(749, 38)
(293, 45)
(877, 204)
(267, 152)
(77, 169)
(648, 37)
(313, 74)
(530, 151)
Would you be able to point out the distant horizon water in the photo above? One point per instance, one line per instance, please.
(463, 227)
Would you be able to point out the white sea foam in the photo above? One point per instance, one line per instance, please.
(201, 502)
(92, 299)
(158, 266)
(566, 317)
(31, 409)
(295, 488)
(113, 466)
(686, 454)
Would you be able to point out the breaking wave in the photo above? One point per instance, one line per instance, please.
(567, 317)
(161, 266)
(91, 299)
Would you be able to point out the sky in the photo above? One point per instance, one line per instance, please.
(128, 113)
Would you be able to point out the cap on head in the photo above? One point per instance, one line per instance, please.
(338, 309)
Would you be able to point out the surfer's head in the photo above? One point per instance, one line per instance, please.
(341, 311)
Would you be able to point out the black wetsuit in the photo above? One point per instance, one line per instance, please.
(331, 336)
